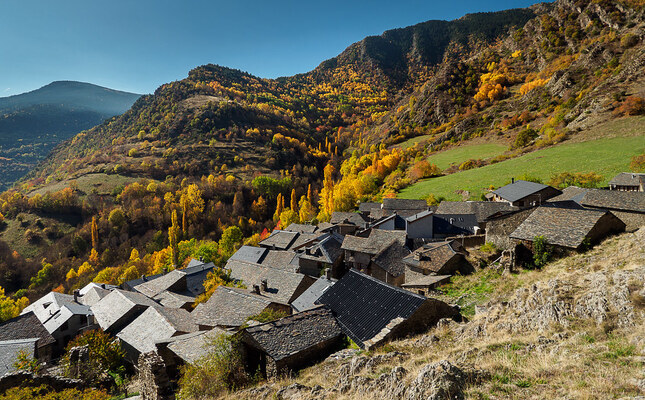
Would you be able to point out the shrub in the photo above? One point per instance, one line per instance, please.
(632, 105)
(105, 356)
(638, 163)
(221, 370)
(423, 169)
(26, 363)
(267, 315)
(525, 137)
(488, 247)
(580, 179)
(541, 252)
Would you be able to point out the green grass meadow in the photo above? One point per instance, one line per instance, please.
(606, 156)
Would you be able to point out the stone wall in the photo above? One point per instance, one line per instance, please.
(22, 378)
(497, 230)
(155, 384)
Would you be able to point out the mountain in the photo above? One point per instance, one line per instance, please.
(32, 123)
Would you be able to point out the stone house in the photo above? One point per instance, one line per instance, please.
(388, 265)
(119, 308)
(501, 225)
(628, 181)
(403, 207)
(360, 250)
(28, 327)
(250, 254)
(438, 259)
(154, 324)
(323, 254)
(63, 316)
(523, 193)
(288, 344)
(451, 225)
(10, 350)
(420, 225)
(481, 209)
(302, 228)
(307, 300)
(629, 206)
(187, 348)
(275, 284)
(370, 311)
(567, 229)
(286, 240)
(230, 308)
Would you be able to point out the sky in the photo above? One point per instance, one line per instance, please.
(137, 45)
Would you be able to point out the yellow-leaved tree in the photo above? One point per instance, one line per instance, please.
(10, 308)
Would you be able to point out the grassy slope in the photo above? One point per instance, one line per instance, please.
(605, 156)
(458, 155)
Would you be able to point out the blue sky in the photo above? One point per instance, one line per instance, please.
(137, 45)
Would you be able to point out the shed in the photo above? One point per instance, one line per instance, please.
(628, 181)
(231, 307)
(119, 308)
(154, 324)
(370, 311)
(290, 343)
(568, 228)
(524, 193)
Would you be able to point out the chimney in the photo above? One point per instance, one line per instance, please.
(77, 294)
(265, 285)
(143, 278)
(256, 289)
(328, 273)
(512, 180)
(417, 256)
(102, 285)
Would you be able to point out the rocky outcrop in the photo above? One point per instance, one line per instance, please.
(153, 377)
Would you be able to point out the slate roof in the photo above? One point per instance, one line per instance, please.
(574, 193)
(9, 350)
(301, 228)
(454, 224)
(129, 285)
(25, 326)
(250, 254)
(368, 207)
(229, 307)
(281, 259)
(562, 227)
(418, 216)
(195, 277)
(308, 298)
(364, 305)
(519, 190)
(173, 300)
(48, 305)
(190, 347)
(338, 217)
(165, 282)
(291, 335)
(377, 241)
(93, 296)
(404, 204)
(628, 179)
(431, 257)
(427, 281)
(391, 259)
(119, 305)
(303, 239)
(93, 285)
(614, 200)
(481, 209)
(281, 240)
(282, 285)
(326, 249)
(324, 226)
(154, 324)
(399, 221)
